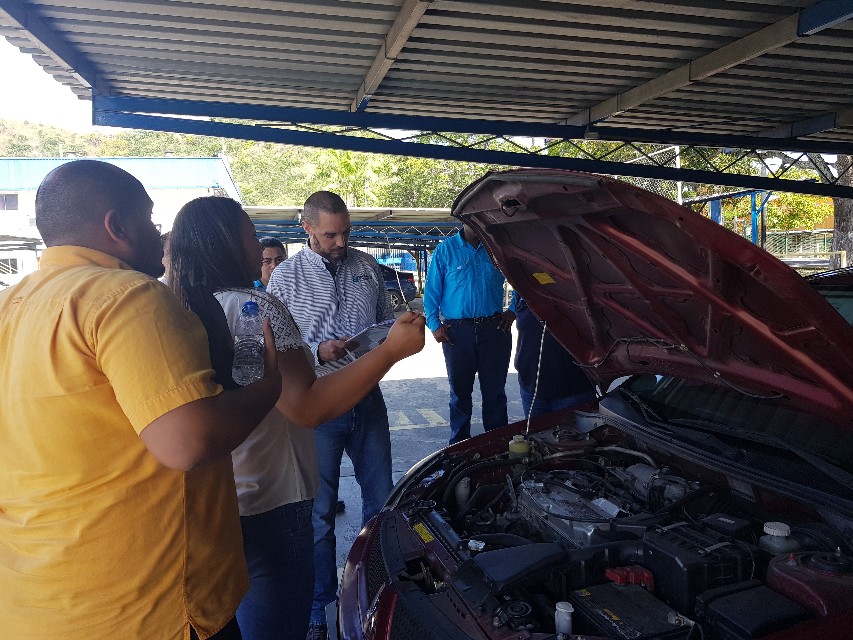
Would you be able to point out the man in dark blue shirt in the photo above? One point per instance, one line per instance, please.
(463, 303)
(548, 377)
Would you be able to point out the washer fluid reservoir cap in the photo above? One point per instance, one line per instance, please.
(777, 529)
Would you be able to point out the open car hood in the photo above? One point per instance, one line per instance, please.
(630, 282)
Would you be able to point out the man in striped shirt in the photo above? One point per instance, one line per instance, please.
(333, 292)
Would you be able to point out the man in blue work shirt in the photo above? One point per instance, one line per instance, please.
(463, 302)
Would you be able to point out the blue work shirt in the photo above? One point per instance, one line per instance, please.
(462, 283)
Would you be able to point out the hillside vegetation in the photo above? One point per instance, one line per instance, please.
(282, 175)
(267, 174)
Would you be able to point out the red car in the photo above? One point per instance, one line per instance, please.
(707, 494)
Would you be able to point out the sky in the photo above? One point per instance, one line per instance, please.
(38, 98)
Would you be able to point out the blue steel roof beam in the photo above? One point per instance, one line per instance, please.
(811, 20)
(300, 233)
(197, 108)
(423, 150)
(397, 37)
(356, 224)
(103, 106)
(30, 26)
(416, 242)
(823, 15)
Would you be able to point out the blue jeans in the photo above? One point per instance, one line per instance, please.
(482, 349)
(363, 433)
(278, 547)
(546, 405)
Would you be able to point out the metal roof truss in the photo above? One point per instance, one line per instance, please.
(563, 146)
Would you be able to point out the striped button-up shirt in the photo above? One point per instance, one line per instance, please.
(327, 307)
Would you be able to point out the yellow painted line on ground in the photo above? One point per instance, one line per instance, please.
(404, 427)
(432, 417)
(399, 419)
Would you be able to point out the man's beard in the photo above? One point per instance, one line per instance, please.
(334, 258)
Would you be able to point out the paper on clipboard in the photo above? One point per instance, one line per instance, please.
(368, 339)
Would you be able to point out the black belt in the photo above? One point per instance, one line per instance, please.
(494, 318)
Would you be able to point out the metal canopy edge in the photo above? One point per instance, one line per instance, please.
(424, 150)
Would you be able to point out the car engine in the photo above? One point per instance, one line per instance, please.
(633, 543)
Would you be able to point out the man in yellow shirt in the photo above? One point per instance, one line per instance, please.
(118, 513)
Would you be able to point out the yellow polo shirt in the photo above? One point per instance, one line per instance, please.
(97, 539)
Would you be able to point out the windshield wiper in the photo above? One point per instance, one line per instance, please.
(706, 440)
(825, 466)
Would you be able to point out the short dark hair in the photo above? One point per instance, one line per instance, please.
(323, 202)
(205, 250)
(77, 194)
(269, 242)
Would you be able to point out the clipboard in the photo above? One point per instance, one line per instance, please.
(368, 339)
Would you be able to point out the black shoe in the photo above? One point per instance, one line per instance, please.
(317, 631)
(340, 507)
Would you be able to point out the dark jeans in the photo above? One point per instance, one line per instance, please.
(279, 548)
(363, 433)
(482, 349)
(546, 405)
(229, 632)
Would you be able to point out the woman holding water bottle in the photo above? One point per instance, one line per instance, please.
(215, 257)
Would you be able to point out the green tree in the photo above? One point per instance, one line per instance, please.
(842, 232)
(273, 174)
(350, 174)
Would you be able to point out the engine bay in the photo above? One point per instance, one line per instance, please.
(624, 542)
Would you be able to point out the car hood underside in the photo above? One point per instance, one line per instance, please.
(630, 283)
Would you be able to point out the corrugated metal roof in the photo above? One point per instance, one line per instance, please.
(735, 67)
(25, 174)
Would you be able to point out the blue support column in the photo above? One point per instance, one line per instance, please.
(753, 209)
(717, 211)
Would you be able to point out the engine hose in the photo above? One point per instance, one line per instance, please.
(629, 452)
(462, 514)
(671, 507)
(450, 475)
(452, 482)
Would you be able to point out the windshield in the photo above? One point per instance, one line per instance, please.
(727, 411)
(841, 298)
(837, 288)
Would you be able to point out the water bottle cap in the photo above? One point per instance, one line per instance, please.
(250, 308)
(564, 607)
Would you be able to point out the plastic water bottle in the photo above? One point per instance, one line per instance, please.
(248, 345)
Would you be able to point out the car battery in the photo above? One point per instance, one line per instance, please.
(624, 611)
